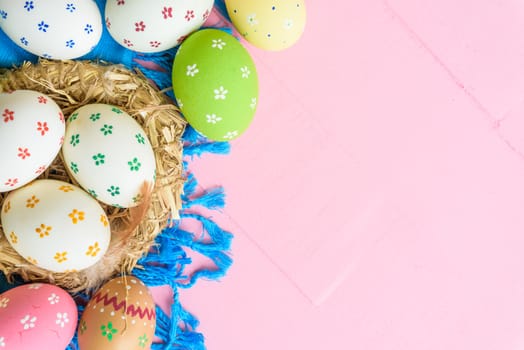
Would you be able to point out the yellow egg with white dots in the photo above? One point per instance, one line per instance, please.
(268, 24)
(55, 225)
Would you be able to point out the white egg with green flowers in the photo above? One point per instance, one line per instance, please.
(109, 154)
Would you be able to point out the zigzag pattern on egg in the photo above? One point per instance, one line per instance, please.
(130, 310)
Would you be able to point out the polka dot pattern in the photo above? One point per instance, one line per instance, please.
(268, 24)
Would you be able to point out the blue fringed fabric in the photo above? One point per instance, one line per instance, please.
(166, 263)
(220, 5)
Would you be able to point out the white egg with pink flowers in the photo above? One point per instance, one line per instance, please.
(156, 25)
(32, 128)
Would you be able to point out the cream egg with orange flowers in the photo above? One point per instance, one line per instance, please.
(55, 225)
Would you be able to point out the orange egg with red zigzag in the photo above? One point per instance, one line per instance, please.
(120, 315)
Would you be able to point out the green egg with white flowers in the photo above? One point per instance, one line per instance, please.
(215, 84)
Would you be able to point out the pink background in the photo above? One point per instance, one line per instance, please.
(377, 200)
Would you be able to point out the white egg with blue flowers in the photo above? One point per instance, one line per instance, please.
(58, 29)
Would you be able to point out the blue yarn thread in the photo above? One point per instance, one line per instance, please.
(220, 5)
(165, 264)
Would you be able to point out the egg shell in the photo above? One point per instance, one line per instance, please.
(109, 154)
(59, 29)
(37, 316)
(121, 315)
(55, 225)
(216, 84)
(155, 25)
(31, 132)
(268, 24)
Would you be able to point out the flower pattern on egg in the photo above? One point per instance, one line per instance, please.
(231, 135)
(62, 319)
(108, 331)
(218, 43)
(42, 128)
(11, 182)
(213, 118)
(53, 299)
(167, 12)
(93, 250)
(103, 220)
(43, 230)
(66, 188)
(76, 216)
(23, 153)
(245, 72)
(4, 302)
(7, 207)
(252, 19)
(32, 202)
(142, 340)
(192, 70)
(220, 93)
(253, 103)
(60, 257)
(13, 237)
(83, 326)
(28, 322)
(8, 115)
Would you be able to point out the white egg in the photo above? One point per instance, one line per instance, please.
(156, 25)
(109, 154)
(31, 133)
(59, 29)
(55, 225)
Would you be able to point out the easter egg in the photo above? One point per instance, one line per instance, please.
(55, 225)
(37, 316)
(215, 83)
(268, 24)
(109, 154)
(156, 25)
(31, 133)
(60, 29)
(121, 315)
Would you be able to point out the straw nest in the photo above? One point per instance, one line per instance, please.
(73, 84)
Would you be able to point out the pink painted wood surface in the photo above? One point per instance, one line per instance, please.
(377, 198)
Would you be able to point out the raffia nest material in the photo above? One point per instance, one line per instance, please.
(73, 84)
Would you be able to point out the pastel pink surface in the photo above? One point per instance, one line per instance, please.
(376, 201)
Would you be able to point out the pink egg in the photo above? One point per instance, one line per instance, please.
(37, 316)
